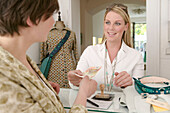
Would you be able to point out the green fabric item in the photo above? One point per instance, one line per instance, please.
(45, 66)
(141, 88)
(46, 63)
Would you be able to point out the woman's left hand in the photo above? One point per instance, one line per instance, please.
(55, 86)
(122, 79)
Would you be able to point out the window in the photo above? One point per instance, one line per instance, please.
(139, 38)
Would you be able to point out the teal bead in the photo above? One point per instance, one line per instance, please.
(112, 85)
(107, 85)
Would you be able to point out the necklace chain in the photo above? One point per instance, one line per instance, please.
(106, 81)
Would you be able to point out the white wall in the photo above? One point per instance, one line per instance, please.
(98, 20)
(164, 58)
(75, 21)
(70, 14)
(158, 62)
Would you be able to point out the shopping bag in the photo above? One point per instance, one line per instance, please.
(45, 66)
(46, 63)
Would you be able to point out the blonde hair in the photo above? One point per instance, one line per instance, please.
(123, 12)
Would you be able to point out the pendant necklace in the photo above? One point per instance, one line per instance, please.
(108, 85)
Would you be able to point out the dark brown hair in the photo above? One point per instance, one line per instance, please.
(14, 13)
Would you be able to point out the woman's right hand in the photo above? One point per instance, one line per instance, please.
(86, 89)
(88, 86)
(75, 80)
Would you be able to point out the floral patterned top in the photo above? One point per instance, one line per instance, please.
(21, 91)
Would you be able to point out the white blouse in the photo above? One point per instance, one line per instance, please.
(128, 59)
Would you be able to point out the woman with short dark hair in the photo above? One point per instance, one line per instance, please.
(23, 88)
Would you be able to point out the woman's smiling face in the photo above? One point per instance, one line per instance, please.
(114, 26)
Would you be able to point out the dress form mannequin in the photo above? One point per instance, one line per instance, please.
(59, 24)
(66, 58)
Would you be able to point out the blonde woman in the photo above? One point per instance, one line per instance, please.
(119, 61)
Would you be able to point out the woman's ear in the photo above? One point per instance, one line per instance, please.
(126, 26)
(29, 22)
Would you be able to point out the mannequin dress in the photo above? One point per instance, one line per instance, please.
(67, 57)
